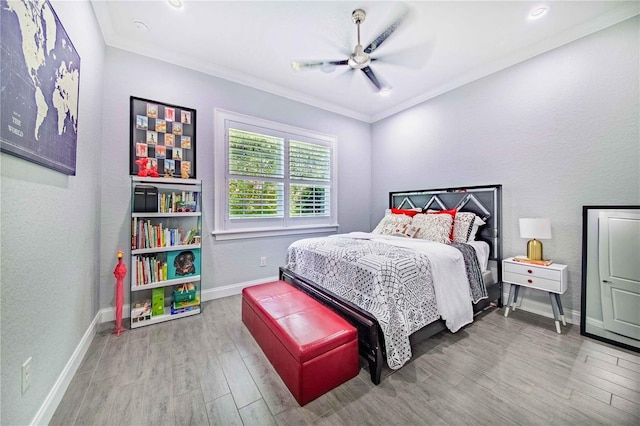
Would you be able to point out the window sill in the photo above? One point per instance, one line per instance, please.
(239, 234)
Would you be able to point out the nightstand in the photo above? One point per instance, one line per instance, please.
(552, 279)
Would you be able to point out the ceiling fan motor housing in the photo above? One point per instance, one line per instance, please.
(359, 59)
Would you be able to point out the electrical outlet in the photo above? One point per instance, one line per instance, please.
(26, 375)
(263, 261)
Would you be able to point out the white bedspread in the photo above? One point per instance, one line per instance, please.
(448, 271)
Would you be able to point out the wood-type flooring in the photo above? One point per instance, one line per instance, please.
(208, 370)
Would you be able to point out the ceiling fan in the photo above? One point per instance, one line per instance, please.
(361, 58)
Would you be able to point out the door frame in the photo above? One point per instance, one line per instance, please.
(587, 327)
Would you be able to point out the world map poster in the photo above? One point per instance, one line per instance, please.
(39, 86)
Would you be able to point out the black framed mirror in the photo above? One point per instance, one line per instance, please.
(610, 305)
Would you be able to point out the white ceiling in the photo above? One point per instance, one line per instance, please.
(442, 45)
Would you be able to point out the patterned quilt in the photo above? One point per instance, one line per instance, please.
(393, 283)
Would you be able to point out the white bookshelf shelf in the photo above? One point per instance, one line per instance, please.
(155, 319)
(168, 214)
(188, 279)
(165, 249)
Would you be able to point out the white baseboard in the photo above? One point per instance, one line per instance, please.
(539, 308)
(233, 289)
(51, 402)
(109, 314)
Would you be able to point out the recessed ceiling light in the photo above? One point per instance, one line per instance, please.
(176, 3)
(385, 91)
(538, 12)
(140, 26)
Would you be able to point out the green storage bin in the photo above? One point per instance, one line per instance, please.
(184, 293)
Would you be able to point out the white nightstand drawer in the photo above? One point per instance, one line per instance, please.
(552, 285)
(547, 272)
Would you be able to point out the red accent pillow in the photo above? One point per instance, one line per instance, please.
(410, 213)
(452, 212)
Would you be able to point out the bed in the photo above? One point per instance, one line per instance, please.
(386, 284)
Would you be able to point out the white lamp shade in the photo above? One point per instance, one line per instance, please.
(538, 228)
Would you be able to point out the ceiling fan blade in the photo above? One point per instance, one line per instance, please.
(303, 66)
(369, 73)
(386, 33)
(414, 57)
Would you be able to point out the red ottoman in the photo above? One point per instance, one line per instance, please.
(311, 347)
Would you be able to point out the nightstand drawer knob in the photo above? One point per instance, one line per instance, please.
(530, 271)
(530, 281)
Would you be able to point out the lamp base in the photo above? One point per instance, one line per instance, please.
(534, 249)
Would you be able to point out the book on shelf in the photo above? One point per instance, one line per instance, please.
(190, 238)
(147, 235)
(175, 311)
(150, 269)
(185, 201)
(525, 259)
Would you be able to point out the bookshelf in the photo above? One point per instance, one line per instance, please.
(166, 232)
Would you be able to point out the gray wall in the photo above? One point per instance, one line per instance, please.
(50, 241)
(225, 263)
(558, 131)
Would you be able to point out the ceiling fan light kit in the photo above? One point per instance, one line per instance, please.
(361, 58)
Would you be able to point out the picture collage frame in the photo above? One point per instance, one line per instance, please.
(162, 138)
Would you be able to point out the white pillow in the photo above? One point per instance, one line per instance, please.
(465, 227)
(433, 227)
(408, 231)
(390, 222)
(477, 223)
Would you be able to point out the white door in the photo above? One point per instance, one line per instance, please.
(619, 255)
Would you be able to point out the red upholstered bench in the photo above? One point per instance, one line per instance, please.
(311, 347)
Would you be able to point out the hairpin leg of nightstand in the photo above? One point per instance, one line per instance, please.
(515, 298)
(560, 309)
(510, 300)
(556, 314)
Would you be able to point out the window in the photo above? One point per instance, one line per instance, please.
(272, 179)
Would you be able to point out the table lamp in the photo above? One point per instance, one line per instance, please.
(535, 228)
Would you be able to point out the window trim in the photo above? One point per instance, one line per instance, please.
(221, 230)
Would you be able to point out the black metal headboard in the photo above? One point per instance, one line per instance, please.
(484, 201)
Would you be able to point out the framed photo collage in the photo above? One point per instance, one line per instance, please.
(163, 136)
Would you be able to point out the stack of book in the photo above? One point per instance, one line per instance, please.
(185, 306)
(525, 259)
